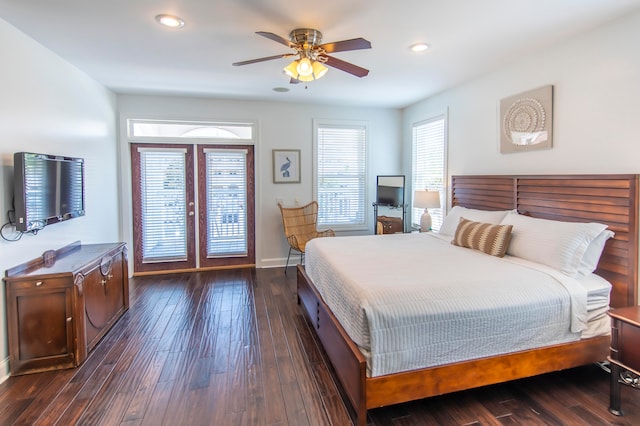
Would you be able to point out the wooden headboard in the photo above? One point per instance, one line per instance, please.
(607, 199)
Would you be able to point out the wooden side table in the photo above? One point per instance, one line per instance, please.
(624, 351)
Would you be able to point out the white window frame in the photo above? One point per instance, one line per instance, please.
(362, 212)
(431, 183)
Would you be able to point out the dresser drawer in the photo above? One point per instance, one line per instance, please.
(38, 284)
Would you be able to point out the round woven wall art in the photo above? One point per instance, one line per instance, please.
(525, 115)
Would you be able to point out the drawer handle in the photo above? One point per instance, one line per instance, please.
(39, 283)
(69, 319)
(103, 282)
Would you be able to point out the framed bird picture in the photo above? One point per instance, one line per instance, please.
(286, 166)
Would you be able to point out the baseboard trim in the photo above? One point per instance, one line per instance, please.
(4, 369)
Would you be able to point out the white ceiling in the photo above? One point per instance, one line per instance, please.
(119, 43)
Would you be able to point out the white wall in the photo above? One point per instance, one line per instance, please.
(596, 79)
(280, 126)
(49, 106)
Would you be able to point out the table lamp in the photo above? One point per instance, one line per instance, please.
(426, 200)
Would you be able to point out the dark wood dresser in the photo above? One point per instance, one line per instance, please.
(61, 304)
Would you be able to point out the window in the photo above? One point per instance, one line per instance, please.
(340, 173)
(140, 129)
(428, 158)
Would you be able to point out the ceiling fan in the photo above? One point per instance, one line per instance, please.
(311, 55)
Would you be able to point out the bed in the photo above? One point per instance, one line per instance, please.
(608, 199)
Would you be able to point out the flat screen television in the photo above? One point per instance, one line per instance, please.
(390, 195)
(47, 189)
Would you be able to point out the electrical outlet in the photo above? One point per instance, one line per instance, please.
(296, 202)
(280, 200)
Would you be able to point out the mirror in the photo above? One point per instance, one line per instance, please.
(389, 208)
(390, 191)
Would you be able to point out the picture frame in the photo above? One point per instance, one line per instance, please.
(526, 121)
(286, 165)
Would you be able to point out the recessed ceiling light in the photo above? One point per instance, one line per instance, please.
(280, 89)
(419, 47)
(171, 21)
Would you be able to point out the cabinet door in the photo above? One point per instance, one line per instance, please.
(96, 306)
(103, 297)
(44, 334)
(115, 285)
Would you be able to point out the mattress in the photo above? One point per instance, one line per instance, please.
(413, 301)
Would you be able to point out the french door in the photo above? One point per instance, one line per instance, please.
(226, 194)
(193, 206)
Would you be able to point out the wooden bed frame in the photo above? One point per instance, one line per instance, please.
(608, 199)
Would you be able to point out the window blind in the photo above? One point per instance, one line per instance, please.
(341, 175)
(226, 183)
(163, 192)
(428, 165)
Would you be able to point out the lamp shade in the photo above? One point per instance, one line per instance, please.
(319, 70)
(426, 199)
(292, 69)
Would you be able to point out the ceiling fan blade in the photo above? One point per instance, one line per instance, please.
(276, 38)
(346, 66)
(344, 45)
(267, 58)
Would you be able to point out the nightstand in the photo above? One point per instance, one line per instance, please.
(624, 351)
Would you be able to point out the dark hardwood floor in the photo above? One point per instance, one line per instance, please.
(231, 348)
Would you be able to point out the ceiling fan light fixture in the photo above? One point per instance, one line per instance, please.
(305, 70)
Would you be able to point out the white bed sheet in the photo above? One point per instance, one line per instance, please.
(453, 304)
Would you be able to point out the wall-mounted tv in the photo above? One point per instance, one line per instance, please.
(47, 189)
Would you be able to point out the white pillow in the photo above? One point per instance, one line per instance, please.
(589, 261)
(451, 221)
(560, 245)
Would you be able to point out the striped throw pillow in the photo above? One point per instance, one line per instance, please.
(486, 237)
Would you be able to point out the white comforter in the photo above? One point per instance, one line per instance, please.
(412, 301)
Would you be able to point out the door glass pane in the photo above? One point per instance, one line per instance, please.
(226, 188)
(163, 192)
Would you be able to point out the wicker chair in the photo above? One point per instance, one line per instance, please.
(300, 227)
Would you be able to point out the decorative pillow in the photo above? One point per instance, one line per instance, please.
(591, 257)
(560, 245)
(486, 237)
(451, 221)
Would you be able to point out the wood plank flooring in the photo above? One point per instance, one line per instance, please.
(232, 348)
